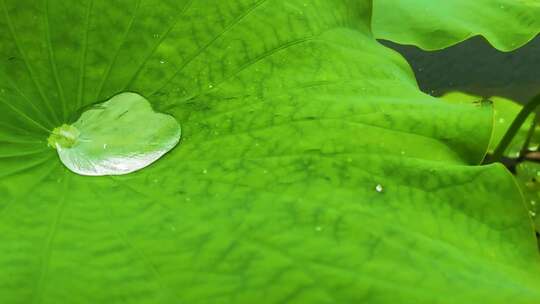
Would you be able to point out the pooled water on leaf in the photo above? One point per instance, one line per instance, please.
(119, 136)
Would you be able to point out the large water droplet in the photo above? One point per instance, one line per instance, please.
(116, 137)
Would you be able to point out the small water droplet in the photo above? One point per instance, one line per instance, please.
(210, 86)
(204, 171)
(402, 152)
(533, 203)
(162, 61)
(379, 188)
(501, 120)
(104, 146)
(532, 213)
(156, 35)
(318, 228)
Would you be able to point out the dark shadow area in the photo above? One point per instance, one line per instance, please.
(475, 67)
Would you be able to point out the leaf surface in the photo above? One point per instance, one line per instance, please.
(434, 25)
(504, 113)
(528, 175)
(311, 168)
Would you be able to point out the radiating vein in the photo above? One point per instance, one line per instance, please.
(115, 57)
(26, 167)
(4, 210)
(26, 63)
(156, 46)
(13, 85)
(84, 51)
(123, 239)
(201, 50)
(246, 65)
(23, 153)
(52, 61)
(22, 114)
(47, 251)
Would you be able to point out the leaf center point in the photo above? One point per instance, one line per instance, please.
(65, 136)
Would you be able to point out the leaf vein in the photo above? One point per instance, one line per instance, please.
(26, 63)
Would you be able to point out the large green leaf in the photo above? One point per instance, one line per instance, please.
(433, 25)
(528, 177)
(526, 173)
(504, 113)
(311, 168)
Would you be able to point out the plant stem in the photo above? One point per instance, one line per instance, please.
(530, 133)
(514, 128)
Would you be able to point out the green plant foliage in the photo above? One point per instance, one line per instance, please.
(434, 25)
(527, 173)
(504, 113)
(311, 169)
(528, 176)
